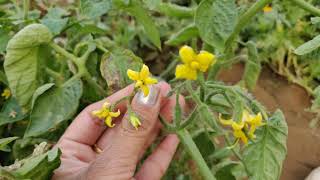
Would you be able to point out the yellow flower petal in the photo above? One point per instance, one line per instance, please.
(187, 54)
(267, 9)
(115, 114)
(224, 121)
(238, 126)
(205, 59)
(144, 73)
(133, 75)
(138, 84)
(6, 93)
(145, 90)
(149, 81)
(240, 134)
(185, 72)
(97, 113)
(108, 121)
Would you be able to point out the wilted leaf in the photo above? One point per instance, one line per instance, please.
(54, 106)
(253, 67)
(183, 35)
(114, 67)
(38, 166)
(264, 157)
(216, 20)
(95, 8)
(22, 61)
(54, 20)
(308, 46)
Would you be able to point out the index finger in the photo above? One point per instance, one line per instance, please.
(85, 129)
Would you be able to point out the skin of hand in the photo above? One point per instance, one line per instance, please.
(122, 146)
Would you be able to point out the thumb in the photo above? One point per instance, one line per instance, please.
(119, 160)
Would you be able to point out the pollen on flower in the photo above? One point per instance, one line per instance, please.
(142, 79)
(246, 128)
(267, 9)
(193, 63)
(106, 114)
(6, 93)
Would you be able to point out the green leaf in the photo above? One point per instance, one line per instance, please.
(4, 142)
(22, 61)
(216, 20)
(308, 46)
(39, 167)
(225, 172)
(94, 8)
(4, 38)
(54, 106)
(136, 9)
(54, 20)
(183, 35)
(264, 157)
(252, 68)
(11, 112)
(205, 145)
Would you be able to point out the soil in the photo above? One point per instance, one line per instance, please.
(276, 92)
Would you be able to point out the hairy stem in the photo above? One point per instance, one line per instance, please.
(193, 150)
(63, 52)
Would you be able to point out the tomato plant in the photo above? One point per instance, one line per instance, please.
(58, 57)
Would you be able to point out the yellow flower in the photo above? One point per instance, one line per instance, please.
(267, 9)
(106, 114)
(142, 78)
(238, 128)
(134, 120)
(192, 63)
(6, 93)
(247, 121)
(254, 121)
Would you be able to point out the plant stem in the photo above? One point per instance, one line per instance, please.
(244, 19)
(307, 6)
(65, 53)
(193, 150)
(26, 6)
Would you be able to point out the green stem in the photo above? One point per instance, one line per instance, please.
(63, 52)
(307, 6)
(26, 6)
(193, 150)
(57, 76)
(244, 19)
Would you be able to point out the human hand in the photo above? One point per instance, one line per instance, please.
(122, 146)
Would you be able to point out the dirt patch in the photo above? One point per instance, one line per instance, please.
(275, 92)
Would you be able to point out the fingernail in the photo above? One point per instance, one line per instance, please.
(152, 97)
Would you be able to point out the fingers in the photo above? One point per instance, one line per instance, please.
(85, 129)
(157, 163)
(108, 136)
(123, 153)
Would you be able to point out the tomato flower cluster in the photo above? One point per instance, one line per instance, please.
(247, 126)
